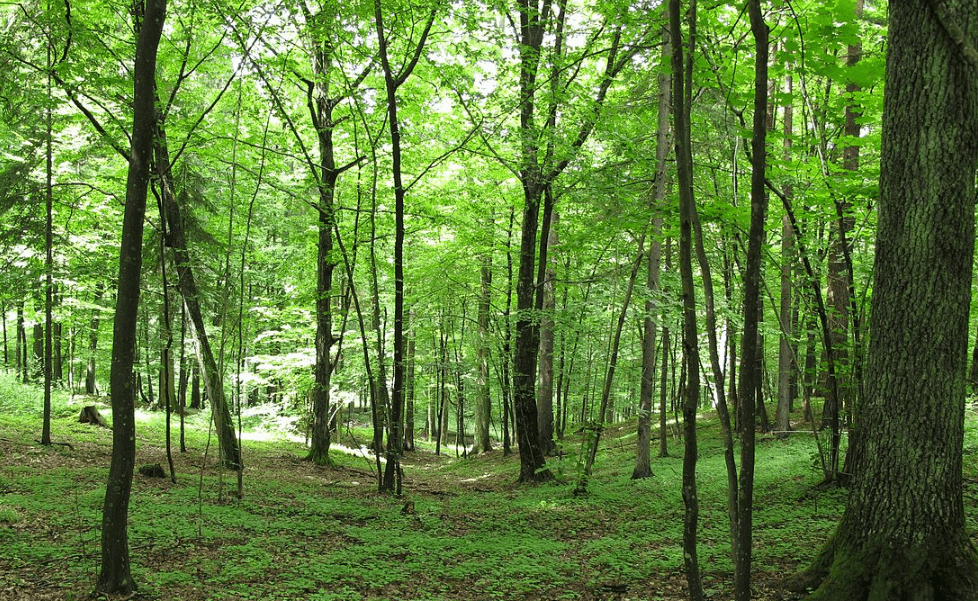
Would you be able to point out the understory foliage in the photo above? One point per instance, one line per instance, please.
(461, 531)
(418, 227)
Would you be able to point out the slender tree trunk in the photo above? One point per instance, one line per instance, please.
(392, 473)
(90, 373)
(167, 392)
(186, 281)
(852, 383)
(57, 343)
(38, 348)
(663, 395)
(21, 347)
(507, 349)
(785, 350)
(682, 79)
(114, 576)
(184, 379)
(610, 376)
(3, 320)
(410, 391)
(643, 466)
(483, 403)
(750, 350)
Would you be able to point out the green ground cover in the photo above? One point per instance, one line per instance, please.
(463, 530)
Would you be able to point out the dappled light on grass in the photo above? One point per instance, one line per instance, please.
(303, 531)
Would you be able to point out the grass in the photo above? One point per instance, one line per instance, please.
(306, 532)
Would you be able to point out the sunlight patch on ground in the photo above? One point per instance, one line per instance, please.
(356, 452)
(477, 478)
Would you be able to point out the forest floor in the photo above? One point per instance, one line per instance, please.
(462, 530)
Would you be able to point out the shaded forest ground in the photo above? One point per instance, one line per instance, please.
(305, 532)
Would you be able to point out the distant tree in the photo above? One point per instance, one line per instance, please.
(903, 534)
(643, 466)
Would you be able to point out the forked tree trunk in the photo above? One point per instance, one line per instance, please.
(903, 534)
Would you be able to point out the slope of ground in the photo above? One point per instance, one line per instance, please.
(462, 530)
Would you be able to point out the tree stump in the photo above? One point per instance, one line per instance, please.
(90, 415)
(152, 470)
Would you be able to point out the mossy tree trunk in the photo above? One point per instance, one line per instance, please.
(903, 533)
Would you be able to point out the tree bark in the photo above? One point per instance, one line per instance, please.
(682, 78)
(483, 403)
(90, 365)
(786, 352)
(114, 576)
(903, 534)
(545, 389)
(213, 379)
(643, 465)
(751, 351)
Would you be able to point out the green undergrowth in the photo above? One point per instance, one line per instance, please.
(462, 530)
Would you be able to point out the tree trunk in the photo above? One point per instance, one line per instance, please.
(38, 349)
(3, 320)
(682, 79)
(507, 348)
(643, 466)
(785, 351)
(195, 396)
(483, 403)
(903, 534)
(409, 392)
(751, 350)
(21, 346)
(392, 81)
(186, 281)
(320, 107)
(545, 389)
(114, 576)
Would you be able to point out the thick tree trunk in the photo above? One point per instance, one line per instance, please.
(903, 535)
(545, 390)
(527, 345)
(114, 576)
